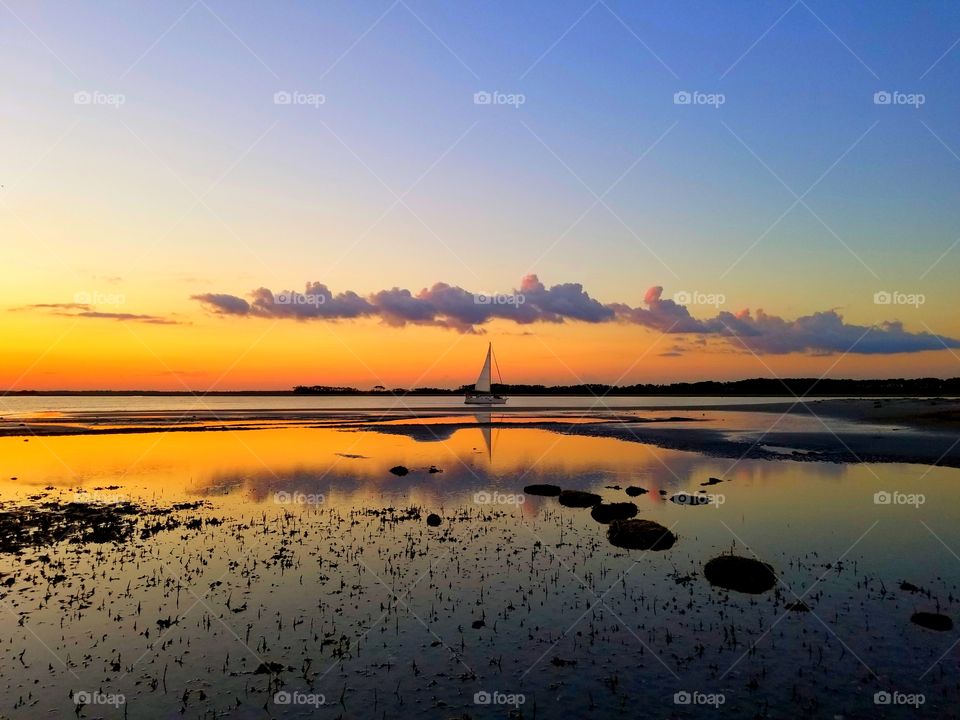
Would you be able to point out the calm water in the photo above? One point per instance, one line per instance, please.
(23, 405)
(375, 614)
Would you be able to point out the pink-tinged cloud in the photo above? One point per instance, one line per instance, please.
(453, 307)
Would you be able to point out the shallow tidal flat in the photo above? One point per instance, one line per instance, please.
(292, 572)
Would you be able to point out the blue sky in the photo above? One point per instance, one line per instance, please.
(399, 178)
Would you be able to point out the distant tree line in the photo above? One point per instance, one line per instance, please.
(751, 387)
(913, 387)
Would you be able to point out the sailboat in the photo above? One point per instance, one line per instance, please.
(481, 395)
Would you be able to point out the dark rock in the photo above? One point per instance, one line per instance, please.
(578, 498)
(909, 587)
(746, 575)
(399, 470)
(711, 481)
(663, 492)
(560, 662)
(683, 498)
(477, 624)
(932, 621)
(433, 520)
(545, 490)
(640, 535)
(633, 491)
(267, 668)
(607, 512)
(434, 469)
(798, 606)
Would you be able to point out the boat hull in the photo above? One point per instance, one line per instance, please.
(484, 400)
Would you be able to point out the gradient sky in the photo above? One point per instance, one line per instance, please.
(199, 183)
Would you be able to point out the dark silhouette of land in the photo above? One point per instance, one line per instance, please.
(754, 387)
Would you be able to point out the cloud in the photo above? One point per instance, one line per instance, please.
(51, 306)
(453, 307)
(223, 304)
(133, 317)
(82, 310)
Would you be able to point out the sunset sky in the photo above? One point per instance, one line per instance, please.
(169, 220)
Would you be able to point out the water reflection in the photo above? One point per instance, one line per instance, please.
(300, 583)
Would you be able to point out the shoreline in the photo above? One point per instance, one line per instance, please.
(904, 430)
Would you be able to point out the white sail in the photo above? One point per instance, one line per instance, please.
(483, 382)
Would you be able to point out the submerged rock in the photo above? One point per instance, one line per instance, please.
(746, 575)
(546, 490)
(608, 512)
(640, 535)
(683, 498)
(578, 498)
(434, 520)
(633, 491)
(932, 621)
(268, 668)
(399, 470)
